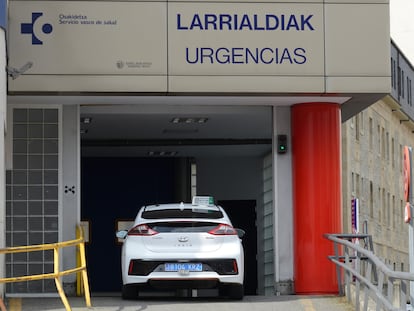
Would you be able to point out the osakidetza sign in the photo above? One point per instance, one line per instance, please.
(149, 46)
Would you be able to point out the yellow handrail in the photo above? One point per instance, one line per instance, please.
(57, 274)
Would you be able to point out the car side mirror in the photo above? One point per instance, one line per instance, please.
(121, 234)
(240, 233)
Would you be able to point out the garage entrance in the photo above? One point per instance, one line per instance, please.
(140, 155)
(112, 190)
(243, 215)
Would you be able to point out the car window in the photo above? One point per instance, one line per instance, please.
(183, 213)
(185, 226)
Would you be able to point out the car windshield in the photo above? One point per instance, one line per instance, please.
(185, 226)
(207, 213)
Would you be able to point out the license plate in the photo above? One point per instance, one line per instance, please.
(183, 266)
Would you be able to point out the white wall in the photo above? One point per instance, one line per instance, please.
(70, 179)
(283, 204)
(3, 86)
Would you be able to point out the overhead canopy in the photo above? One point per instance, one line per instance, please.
(306, 48)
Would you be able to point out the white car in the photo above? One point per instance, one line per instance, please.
(182, 246)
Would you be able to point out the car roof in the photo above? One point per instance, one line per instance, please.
(182, 211)
(180, 206)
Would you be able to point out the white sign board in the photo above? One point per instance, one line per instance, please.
(247, 39)
(89, 38)
(198, 46)
(98, 39)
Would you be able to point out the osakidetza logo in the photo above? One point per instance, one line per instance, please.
(33, 29)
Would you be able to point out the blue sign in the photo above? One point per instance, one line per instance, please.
(354, 215)
(28, 28)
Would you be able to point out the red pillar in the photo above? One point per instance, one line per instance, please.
(316, 156)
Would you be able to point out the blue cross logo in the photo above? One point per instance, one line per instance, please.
(27, 28)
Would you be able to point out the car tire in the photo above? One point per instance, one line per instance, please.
(236, 292)
(129, 292)
(232, 291)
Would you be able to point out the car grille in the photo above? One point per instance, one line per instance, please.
(220, 266)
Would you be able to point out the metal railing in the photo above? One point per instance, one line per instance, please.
(368, 274)
(57, 274)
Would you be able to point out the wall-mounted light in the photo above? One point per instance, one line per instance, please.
(281, 143)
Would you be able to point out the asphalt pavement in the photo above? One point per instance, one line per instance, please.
(249, 303)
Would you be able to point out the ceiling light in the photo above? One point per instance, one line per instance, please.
(162, 153)
(202, 120)
(86, 120)
(188, 120)
(180, 131)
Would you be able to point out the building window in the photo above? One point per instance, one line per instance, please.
(357, 186)
(395, 75)
(357, 117)
(384, 207)
(394, 212)
(362, 123)
(379, 205)
(371, 133)
(353, 184)
(387, 143)
(371, 200)
(359, 125)
(388, 207)
(399, 81)
(379, 139)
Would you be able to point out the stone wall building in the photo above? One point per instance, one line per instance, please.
(372, 159)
